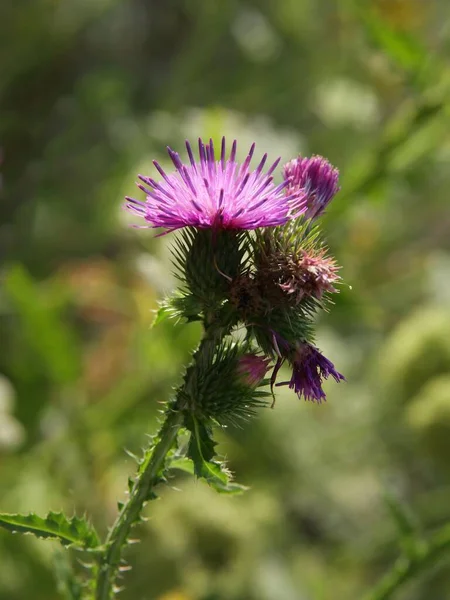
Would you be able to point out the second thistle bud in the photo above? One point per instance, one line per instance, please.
(318, 180)
(292, 265)
(224, 385)
(252, 369)
(300, 274)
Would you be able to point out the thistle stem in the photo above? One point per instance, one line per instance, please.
(153, 461)
(147, 477)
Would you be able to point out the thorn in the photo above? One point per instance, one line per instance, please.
(85, 565)
(131, 455)
(125, 568)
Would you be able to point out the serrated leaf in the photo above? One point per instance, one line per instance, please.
(183, 464)
(201, 452)
(70, 532)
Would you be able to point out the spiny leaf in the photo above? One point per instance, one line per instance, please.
(162, 313)
(76, 531)
(183, 305)
(201, 452)
(183, 464)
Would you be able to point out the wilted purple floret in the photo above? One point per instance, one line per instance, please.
(317, 178)
(252, 369)
(309, 368)
(220, 194)
(306, 274)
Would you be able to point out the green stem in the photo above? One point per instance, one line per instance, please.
(153, 461)
(406, 568)
(147, 478)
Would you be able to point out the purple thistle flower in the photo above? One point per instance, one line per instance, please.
(309, 368)
(317, 178)
(220, 194)
(252, 369)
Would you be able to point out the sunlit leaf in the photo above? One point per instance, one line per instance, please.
(70, 532)
(183, 464)
(201, 452)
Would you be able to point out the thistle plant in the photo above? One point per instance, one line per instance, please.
(249, 258)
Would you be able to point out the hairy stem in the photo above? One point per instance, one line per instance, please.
(407, 567)
(153, 461)
(148, 476)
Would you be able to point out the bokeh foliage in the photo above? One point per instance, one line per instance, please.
(90, 92)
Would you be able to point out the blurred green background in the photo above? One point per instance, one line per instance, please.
(90, 92)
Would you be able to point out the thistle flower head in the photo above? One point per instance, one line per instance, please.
(317, 178)
(218, 194)
(252, 369)
(301, 274)
(292, 264)
(309, 368)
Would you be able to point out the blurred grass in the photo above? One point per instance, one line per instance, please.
(90, 93)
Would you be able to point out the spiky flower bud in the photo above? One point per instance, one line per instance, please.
(317, 178)
(224, 385)
(208, 262)
(205, 263)
(299, 274)
(292, 265)
(309, 275)
(252, 369)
